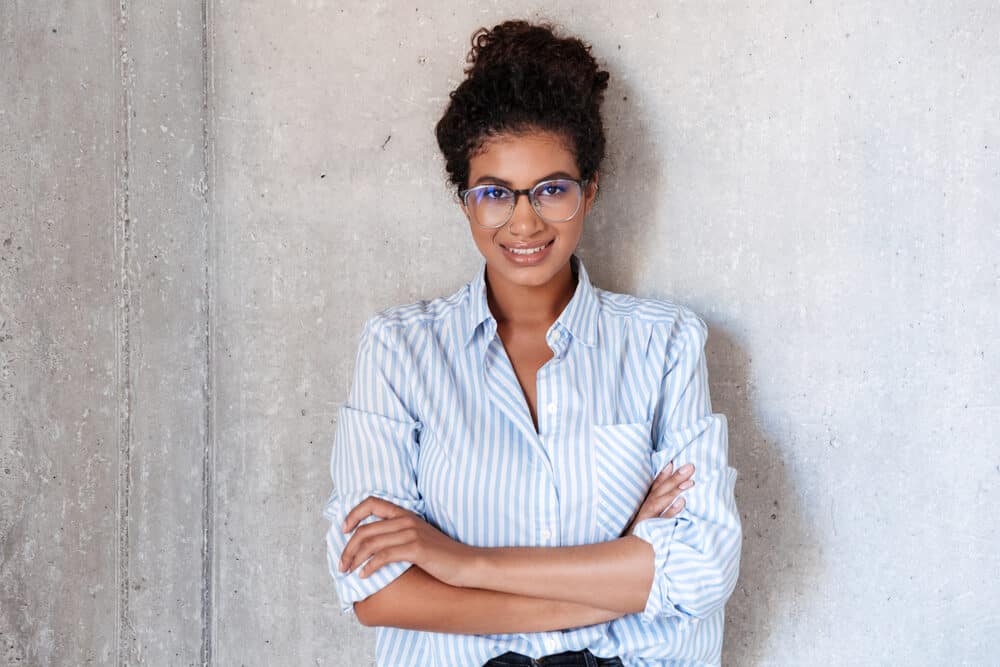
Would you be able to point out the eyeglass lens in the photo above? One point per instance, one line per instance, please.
(555, 201)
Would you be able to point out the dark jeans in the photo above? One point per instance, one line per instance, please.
(582, 658)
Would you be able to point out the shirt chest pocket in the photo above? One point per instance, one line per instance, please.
(624, 472)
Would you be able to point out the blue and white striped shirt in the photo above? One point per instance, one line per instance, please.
(436, 422)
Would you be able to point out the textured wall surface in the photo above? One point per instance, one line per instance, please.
(202, 202)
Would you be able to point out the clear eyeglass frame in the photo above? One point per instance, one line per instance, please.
(530, 192)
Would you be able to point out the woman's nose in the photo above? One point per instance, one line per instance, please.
(524, 220)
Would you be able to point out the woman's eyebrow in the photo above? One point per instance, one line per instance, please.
(500, 181)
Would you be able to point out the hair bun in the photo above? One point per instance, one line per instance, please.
(523, 76)
(533, 52)
(509, 41)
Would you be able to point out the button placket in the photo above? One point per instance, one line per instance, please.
(550, 429)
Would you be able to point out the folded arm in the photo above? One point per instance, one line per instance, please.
(417, 601)
(683, 566)
(616, 575)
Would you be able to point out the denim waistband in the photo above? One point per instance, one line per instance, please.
(582, 658)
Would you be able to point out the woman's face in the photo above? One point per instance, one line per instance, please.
(520, 161)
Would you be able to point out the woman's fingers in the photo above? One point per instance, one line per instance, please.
(665, 479)
(368, 536)
(674, 509)
(664, 497)
(380, 507)
(374, 548)
(385, 549)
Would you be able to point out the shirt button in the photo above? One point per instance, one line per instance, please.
(551, 644)
(552, 408)
(546, 534)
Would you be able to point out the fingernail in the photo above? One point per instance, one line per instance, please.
(666, 471)
(343, 527)
(686, 485)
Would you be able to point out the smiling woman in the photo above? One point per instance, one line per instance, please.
(511, 248)
(505, 489)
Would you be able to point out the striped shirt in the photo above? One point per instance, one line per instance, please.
(436, 422)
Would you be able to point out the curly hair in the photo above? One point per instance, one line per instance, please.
(523, 78)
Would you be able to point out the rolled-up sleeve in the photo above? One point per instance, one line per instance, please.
(374, 454)
(696, 553)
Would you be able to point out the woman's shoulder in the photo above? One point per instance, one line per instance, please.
(657, 312)
(418, 313)
(666, 329)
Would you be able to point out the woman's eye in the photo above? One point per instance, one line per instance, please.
(552, 189)
(495, 193)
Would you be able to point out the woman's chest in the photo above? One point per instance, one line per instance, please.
(492, 474)
(527, 354)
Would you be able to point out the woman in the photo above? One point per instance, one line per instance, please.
(516, 440)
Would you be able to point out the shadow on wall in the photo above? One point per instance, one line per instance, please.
(616, 234)
(776, 559)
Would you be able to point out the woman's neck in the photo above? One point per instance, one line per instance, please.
(528, 306)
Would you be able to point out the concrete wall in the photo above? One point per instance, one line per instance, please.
(193, 229)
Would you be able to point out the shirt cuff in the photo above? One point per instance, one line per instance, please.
(350, 586)
(659, 533)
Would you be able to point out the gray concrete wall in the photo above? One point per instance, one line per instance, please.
(193, 229)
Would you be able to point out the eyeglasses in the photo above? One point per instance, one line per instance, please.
(555, 200)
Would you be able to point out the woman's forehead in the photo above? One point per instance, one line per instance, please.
(522, 158)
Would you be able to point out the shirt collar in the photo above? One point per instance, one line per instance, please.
(579, 317)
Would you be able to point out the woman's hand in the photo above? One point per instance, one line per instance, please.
(402, 535)
(663, 497)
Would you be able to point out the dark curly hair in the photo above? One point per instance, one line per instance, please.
(524, 78)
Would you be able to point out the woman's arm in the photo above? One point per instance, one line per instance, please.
(612, 576)
(417, 601)
(617, 574)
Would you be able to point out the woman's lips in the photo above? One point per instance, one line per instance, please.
(527, 259)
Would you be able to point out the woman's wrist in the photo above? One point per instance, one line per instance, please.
(572, 615)
(477, 570)
(482, 569)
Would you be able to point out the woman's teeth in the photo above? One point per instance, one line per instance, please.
(528, 251)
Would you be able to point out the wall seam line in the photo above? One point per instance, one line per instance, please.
(208, 566)
(124, 631)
